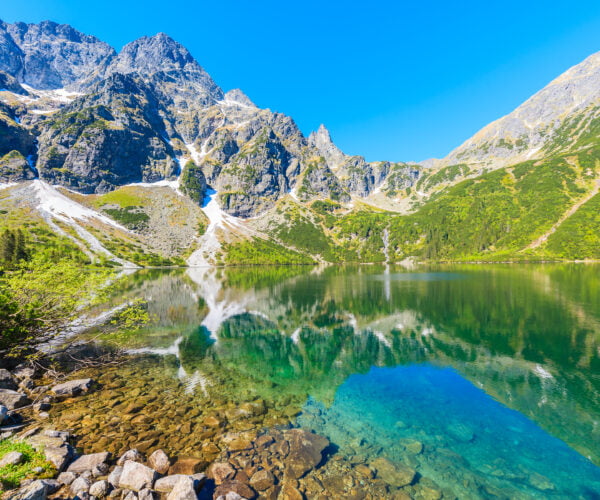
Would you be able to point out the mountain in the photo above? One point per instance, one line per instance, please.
(141, 136)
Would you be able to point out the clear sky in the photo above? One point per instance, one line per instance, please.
(392, 80)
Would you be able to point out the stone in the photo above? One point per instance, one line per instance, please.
(238, 487)
(66, 478)
(3, 413)
(167, 483)
(24, 370)
(39, 407)
(88, 462)
(100, 470)
(183, 489)
(187, 465)
(11, 458)
(290, 492)
(394, 474)
(13, 399)
(221, 472)
(130, 496)
(80, 485)
(59, 456)
(460, 432)
(146, 494)
(262, 480)
(159, 461)
(136, 476)
(99, 489)
(115, 475)
(36, 490)
(53, 485)
(413, 447)
(199, 480)
(132, 455)
(7, 381)
(305, 452)
(72, 387)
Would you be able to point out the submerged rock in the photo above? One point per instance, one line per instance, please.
(305, 452)
(73, 387)
(394, 474)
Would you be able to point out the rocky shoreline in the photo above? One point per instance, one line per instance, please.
(234, 458)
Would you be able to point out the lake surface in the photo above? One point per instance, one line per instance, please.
(485, 379)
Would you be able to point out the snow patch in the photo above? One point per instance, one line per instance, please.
(6, 185)
(542, 373)
(296, 336)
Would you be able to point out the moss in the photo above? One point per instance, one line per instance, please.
(12, 475)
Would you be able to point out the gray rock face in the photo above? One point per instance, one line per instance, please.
(13, 399)
(183, 489)
(7, 381)
(111, 137)
(321, 140)
(8, 82)
(136, 476)
(37, 490)
(72, 387)
(88, 462)
(49, 55)
(11, 458)
(13, 136)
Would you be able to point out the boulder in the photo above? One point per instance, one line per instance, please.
(132, 455)
(136, 476)
(167, 483)
(262, 480)
(183, 490)
(72, 387)
(24, 370)
(80, 485)
(115, 475)
(221, 472)
(59, 456)
(7, 381)
(3, 413)
(146, 494)
(159, 461)
(99, 489)
(11, 458)
(305, 452)
(66, 478)
(37, 490)
(88, 462)
(13, 399)
(242, 489)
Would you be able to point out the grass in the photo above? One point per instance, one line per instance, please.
(12, 475)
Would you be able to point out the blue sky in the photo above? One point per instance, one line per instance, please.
(391, 79)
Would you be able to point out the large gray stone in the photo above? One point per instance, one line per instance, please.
(136, 476)
(11, 458)
(37, 490)
(159, 461)
(88, 462)
(72, 387)
(7, 381)
(183, 490)
(167, 483)
(13, 399)
(100, 489)
(115, 475)
(132, 455)
(80, 485)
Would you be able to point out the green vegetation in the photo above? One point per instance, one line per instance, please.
(193, 182)
(131, 217)
(257, 251)
(12, 475)
(12, 247)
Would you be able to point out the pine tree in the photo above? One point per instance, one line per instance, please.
(7, 246)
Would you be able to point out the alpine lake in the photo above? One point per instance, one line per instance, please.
(455, 381)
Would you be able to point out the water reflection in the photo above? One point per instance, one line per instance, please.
(524, 336)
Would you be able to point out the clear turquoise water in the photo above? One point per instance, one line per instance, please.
(494, 369)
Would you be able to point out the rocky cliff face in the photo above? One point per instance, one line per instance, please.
(112, 136)
(49, 55)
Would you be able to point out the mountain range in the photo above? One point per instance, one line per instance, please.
(140, 158)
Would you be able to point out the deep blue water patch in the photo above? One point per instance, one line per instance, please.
(468, 437)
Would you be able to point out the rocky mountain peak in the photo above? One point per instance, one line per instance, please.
(238, 97)
(50, 55)
(321, 139)
(153, 54)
